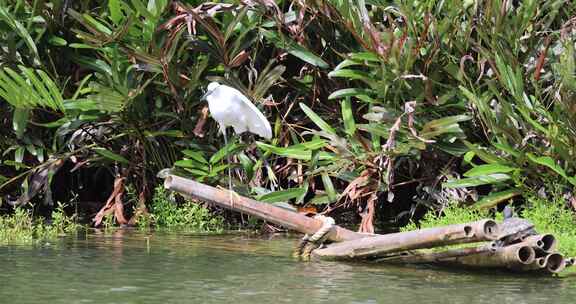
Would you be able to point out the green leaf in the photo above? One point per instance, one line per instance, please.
(195, 155)
(115, 11)
(351, 74)
(282, 195)
(348, 117)
(57, 41)
(218, 156)
(350, 92)
(477, 181)
(550, 163)
(20, 121)
(443, 123)
(375, 129)
(488, 169)
(111, 155)
(329, 187)
(191, 164)
(294, 49)
(483, 154)
(296, 152)
(494, 199)
(323, 125)
(320, 199)
(20, 30)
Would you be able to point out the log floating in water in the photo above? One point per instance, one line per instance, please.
(378, 246)
(267, 212)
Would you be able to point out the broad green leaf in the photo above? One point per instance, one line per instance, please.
(191, 164)
(351, 74)
(350, 92)
(227, 150)
(323, 125)
(365, 56)
(476, 181)
(111, 155)
(329, 187)
(282, 195)
(441, 123)
(550, 163)
(320, 199)
(488, 169)
(20, 121)
(294, 49)
(375, 129)
(348, 117)
(484, 155)
(195, 155)
(494, 199)
(20, 30)
(196, 172)
(57, 41)
(295, 152)
(115, 11)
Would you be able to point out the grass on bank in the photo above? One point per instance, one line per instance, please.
(21, 228)
(166, 214)
(547, 217)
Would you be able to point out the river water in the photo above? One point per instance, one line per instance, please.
(135, 267)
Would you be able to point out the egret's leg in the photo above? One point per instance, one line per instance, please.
(230, 189)
(227, 160)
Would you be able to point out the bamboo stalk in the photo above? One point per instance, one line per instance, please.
(545, 242)
(378, 246)
(434, 257)
(267, 212)
(514, 256)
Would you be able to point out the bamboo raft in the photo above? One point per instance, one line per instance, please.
(491, 246)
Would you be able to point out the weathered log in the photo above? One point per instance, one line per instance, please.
(267, 212)
(378, 246)
(514, 257)
(434, 257)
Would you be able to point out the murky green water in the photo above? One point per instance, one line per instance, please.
(178, 268)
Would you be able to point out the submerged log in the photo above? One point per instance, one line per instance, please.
(267, 212)
(381, 245)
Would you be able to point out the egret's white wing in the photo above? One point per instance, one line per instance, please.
(254, 121)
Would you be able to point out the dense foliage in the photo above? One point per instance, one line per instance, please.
(379, 108)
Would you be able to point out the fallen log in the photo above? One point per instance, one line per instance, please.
(513, 257)
(267, 212)
(435, 257)
(378, 246)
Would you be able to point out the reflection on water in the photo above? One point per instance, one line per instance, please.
(132, 267)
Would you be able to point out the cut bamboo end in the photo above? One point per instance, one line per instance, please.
(544, 242)
(555, 263)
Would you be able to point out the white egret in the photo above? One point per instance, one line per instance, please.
(230, 108)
